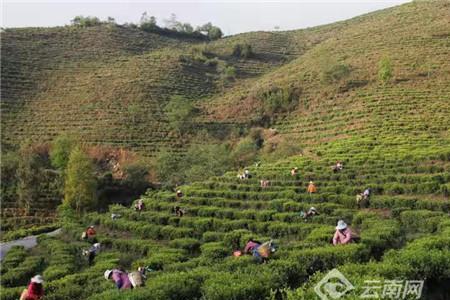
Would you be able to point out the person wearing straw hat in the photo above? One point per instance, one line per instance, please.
(310, 213)
(35, 290)
(343, 234)
(120, 278)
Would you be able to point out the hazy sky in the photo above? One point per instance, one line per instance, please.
(232, 16)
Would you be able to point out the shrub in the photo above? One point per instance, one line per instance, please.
(188, 244)
(13, 258)
(214, 251)
(233, 240)
(276, 99)
(85, 21)
(212, 236)
(335, 73)
(424, 221)
(11, 293)
(229, 73)
(236, 286)
(22, 274)
(242, 50)
(385, 71)
(179, 111)
(159, 259)
(324, 258)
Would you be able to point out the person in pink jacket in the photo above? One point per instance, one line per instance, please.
(251, 246)
(120, 278)
(343, 234)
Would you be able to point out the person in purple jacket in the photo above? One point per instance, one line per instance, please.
(120, 278)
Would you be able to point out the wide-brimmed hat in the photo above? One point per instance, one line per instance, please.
(311, 182)
(313, 208)
(37, 279)
(107, 274)
(341, 225)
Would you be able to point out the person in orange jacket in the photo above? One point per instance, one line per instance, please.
(311, 188)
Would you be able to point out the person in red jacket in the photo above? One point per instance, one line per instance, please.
(35, 290)
(90, 231)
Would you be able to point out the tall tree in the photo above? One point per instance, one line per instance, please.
(29, 175)
(81, 185)
(60, 151)
(179, 112)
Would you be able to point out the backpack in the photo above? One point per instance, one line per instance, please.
(136, 279)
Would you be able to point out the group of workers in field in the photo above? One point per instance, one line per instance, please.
(260, 251)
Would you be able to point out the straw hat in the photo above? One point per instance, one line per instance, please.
(341, 225)
(37, 279)
(107, 274)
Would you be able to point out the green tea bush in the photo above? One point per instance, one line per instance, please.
(11, 293)
(236, 286)
(13, 258)
(22, 274)
(159, 259)
(214, 251)
(188, 244)
(420, 220)
(212, 236)
(323, 258)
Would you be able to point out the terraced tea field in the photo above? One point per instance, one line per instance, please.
(404, 233)
(392, 137)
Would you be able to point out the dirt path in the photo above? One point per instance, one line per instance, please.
(27, 242)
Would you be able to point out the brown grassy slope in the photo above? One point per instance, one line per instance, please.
(414, 36)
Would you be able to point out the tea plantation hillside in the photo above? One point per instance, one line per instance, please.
(110, 83)
(404, 234)
(372, 92)
(338, 82)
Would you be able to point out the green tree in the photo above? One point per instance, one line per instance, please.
(385, 70)
(213, 32)
(168, 168)
(85, 21)
(29, 174)
(80, 185)
(60, 151)
(9, 163)
(148, 23)
(245, 152)
(179, 112)
(204, 161)
(136, 176)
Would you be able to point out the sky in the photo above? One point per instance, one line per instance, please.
(230, 15)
